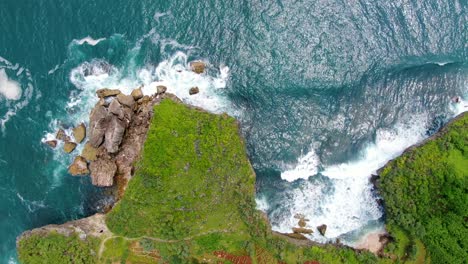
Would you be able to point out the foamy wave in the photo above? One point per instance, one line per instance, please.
(307, 166)
(89, 40)
(16, 90)
(344, 200)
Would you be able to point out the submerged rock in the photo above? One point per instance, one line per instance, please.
(105, 92)
(78, 167)
(126, 100)
(79, 133)
(69, 146)
(160, 89)
(198, 67)
(194, 90)
(137, 94)
(322, 229)
(102, 172)
(51, 143)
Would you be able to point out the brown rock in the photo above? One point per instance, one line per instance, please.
(302, 222)
(198, 66)
(296, 236)
(116, 108)
(51, 143)
(78, 167)
(322, 229)
(89, 152)
(102, 93)
(137, 94)
(160, 89)
(69, 146)
(126, 100)
(98, 122)
(102, 172)
(114, 134)
(301, 230)
(61, 135)
(194, 90)
(79, 133)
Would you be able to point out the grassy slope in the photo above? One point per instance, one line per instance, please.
(192, 200)
(426, 197)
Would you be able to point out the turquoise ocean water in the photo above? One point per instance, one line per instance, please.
(327, 91)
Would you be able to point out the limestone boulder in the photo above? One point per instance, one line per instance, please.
(105, 92)
(126, 100)
(69, 146)
(198, 67)
(79, 133)
(102, 172)
(137, 94)
(78, 167)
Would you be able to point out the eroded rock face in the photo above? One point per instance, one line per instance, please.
(102, 172)
(114, 134)
(98, 122)
(78, 167)
(79, 133)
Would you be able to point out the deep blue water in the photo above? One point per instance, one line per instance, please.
(340, 85)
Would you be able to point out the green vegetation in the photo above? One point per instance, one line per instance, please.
(426, 197)
(55, 248)
(192, 201)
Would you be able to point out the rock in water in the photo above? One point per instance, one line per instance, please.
(322, 229)
(126, 100)
(98, 122)
(78, 167)
(69, 146)
(137, 94)
(160, 89)
(198, 67)
(89, 152)
(102, 172)
(194, 90)
(79, 133)
(114, 134)
(102, 93)
(51, 143)
(61, 135)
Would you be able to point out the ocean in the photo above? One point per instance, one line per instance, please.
(326, 92)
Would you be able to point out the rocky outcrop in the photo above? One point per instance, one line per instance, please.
(51, 143)
(160, 89)
(102, 172)
(301, 230)
(69, 146)
(114, 134)
(79, 133)
(62, 136)
(98, 121)
(89, 152)
(322, 229)
(137, 94)
(198, 67)
(78, 167)
(105, 92)
(194, 90)
(126, 100)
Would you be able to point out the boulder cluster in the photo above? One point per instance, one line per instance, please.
(299, 232)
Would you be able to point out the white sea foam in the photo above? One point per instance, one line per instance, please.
(307, 165)
(89, 40)
(349, 204)
(10, 89)
(15, 93)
